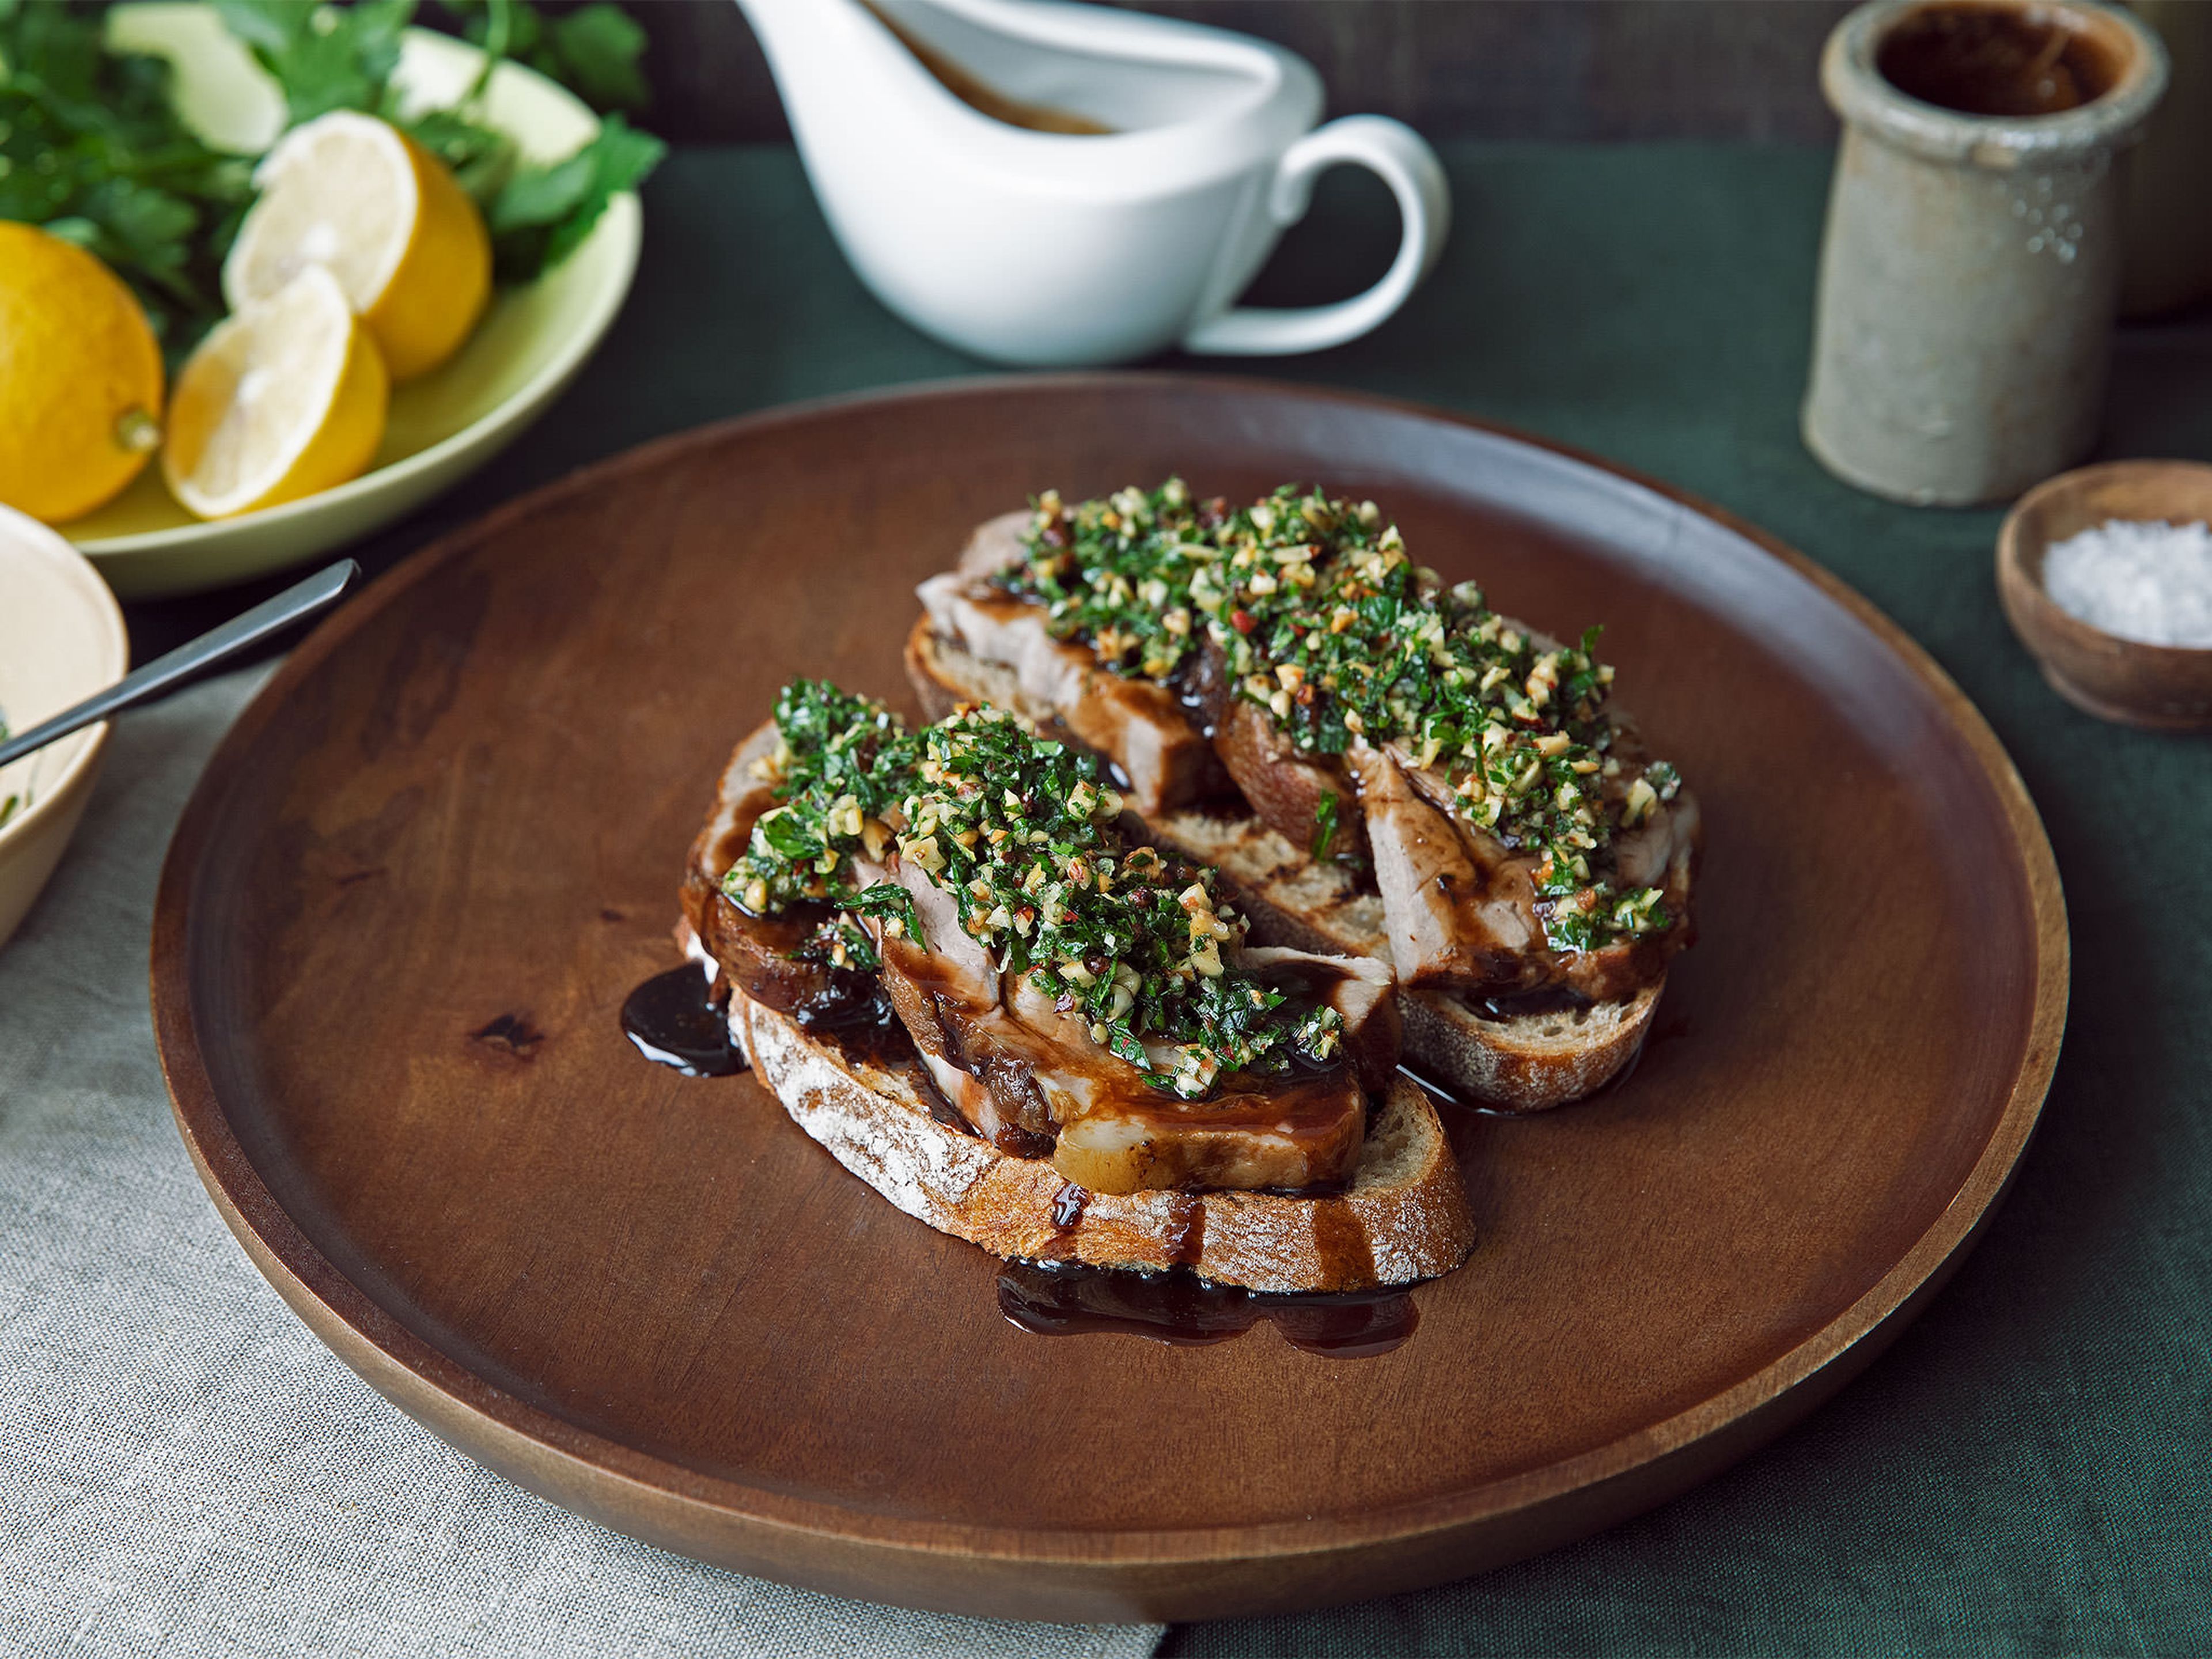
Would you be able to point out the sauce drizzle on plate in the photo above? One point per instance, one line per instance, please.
(1183, 1310)
(674, 1022)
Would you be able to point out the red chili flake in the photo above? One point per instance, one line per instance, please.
(1242, 621)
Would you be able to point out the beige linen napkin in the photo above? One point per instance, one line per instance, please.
(184, 1469)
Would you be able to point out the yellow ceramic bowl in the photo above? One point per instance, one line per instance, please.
(61, 640)
(444, 426)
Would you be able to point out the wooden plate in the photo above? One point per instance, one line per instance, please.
(402, 910)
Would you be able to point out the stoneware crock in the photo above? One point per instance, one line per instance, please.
(1970, 265)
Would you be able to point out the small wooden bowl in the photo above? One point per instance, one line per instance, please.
(2166, 687)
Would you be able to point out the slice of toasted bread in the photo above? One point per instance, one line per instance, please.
(1518, 1063)
(1404, 1217)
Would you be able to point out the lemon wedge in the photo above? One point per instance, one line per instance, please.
(286, 398)
(357, 196)
(80, 377)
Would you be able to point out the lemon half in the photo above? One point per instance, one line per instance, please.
(284, 398)
(80, 377)
(357, 196)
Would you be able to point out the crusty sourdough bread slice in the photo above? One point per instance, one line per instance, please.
(1520, 1063)
(1405, 1217)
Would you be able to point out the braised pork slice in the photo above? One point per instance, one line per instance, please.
(757, 952)
(1661, 851)
(1285, 788)
(997, 544)
(1467, 907)
(1118, 1133)
(1362, 989)
(1138, 725)
(1292, 1134)
(985, 1062)
(944, 989)
(744, 791)
(1453, 924)
(1026, 1072)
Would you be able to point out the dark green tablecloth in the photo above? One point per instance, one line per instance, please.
(2030, 1469)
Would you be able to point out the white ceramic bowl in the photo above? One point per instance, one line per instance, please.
(61, 640)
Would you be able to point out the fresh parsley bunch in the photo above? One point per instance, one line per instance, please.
(91, 147)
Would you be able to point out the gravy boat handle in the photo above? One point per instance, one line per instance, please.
(1404, 161)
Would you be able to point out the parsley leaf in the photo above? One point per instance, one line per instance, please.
(324, 58)
(1324, 825)
(594, 50)
(542, 213)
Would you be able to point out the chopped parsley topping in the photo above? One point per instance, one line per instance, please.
(1324, 825)
(1324, 621)
(843, 761)
(1021, 832)
(1117, 573)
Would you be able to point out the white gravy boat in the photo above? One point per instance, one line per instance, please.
(1052, 248)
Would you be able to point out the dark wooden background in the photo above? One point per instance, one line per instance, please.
(1454, 69)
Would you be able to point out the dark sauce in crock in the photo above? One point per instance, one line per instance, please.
(1995, 60)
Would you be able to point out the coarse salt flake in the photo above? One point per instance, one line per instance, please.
(2141, 579)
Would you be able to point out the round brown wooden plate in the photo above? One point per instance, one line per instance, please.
(402, 910)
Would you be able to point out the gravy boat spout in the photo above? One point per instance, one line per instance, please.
(1051, 184)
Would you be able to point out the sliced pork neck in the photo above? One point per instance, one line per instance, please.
(1362, 989)
(1459, 916)
(1027, 1075)
(756, 952)
(1284, 787)
(1138, 725)
(1462, 909)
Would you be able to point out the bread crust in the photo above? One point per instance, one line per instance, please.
(1405, 1217)
(1520, 1063)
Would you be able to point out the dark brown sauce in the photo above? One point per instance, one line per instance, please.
(987, 99)
(1996, 60)
(1519, 1005)
(762, 952)
(1186, 1218)
(1340, 1243)
(879, 1041)
(1183, 1310)
(674, 1022)
(1067, 1206)
(943, 1111)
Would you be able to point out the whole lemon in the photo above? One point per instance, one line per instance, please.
(80, 377)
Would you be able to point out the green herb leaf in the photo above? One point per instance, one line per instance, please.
(543, 213)
(598, 48)
(1324, 825)
(324, 58)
